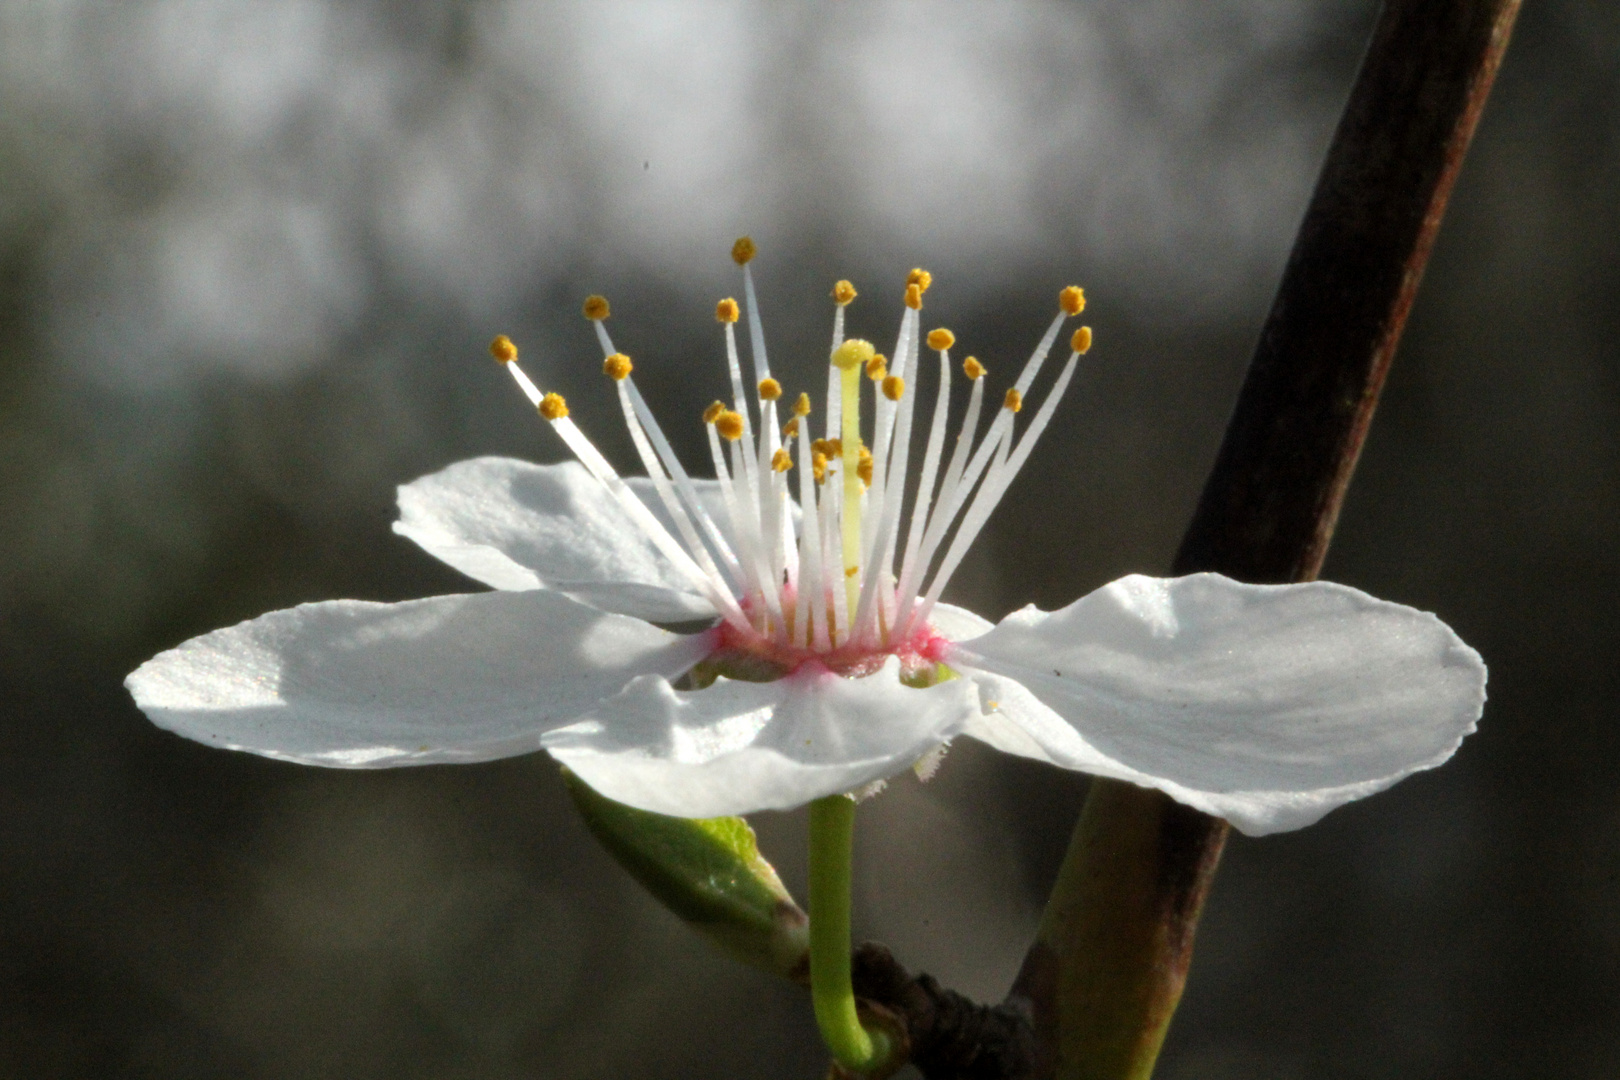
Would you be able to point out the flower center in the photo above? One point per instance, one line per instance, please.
(830, 549)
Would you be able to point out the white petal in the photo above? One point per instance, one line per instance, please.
(737, 747)
(958, 623)
(353, 684)
(1268, 705)
(515, 525)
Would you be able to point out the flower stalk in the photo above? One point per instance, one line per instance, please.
(832, 847)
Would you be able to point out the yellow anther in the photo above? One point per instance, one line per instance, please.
(1072, 300)
(853, 353)
(726, 310)
(617, 366)
(820, 446)
(802, 406)
(893, 387)
(1014, 400)
(781, 461)
(818, 466)
(851, 571)
(502, 349)
(790, 430)
(843, 293)
(596, 308)
(972, 368)
(553, 407)
(712, 413)
(920, 278)
(835, 448)
(913, 297)
(769, 389)
(743, 250)
(877, 367)
(729, 424)
(864, 469)
(1081, 342)
(941, 339)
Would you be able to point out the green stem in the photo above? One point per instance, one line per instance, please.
(832, 843)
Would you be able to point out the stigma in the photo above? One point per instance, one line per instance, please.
(834, 548)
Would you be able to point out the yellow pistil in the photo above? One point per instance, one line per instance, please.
(726, 310)
(743, 251)
(893, 387)
(1014, 400)
(781, 461)
(502, 349)
(843, 293)
(769, 389)
(596, 308)
(1072, 300)
(730, 425)
(1081, 342)
(972, 368)
(617, 366)
(850, 359)
(941, 339)
(553, 407)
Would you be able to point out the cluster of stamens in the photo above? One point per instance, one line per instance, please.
(837, 585)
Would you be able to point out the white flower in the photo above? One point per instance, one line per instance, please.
(1266, 705)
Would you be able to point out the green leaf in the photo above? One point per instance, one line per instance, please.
(707, 871)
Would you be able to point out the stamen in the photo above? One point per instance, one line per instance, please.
(553, 407)
(941, 339)
(893, 387)
(914, 297)
(781, 461)
(920, 278)
(617, 366)
(730, 425)
(1081, 341)
(1014, 400)
(502, 349)
(801, 407)
(995, 486)
(596, 308)
(818, 463)
(743, 250)
(877, 367)
(1072, 300)
(726, 311)
(973, 369)
(843, 293)
(770, 389)
(791, 428)
(712, 413)
(864, 469)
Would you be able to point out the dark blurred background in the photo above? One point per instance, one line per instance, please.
(250, 257)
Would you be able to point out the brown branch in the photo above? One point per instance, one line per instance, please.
(1106, 971)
